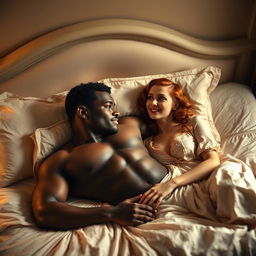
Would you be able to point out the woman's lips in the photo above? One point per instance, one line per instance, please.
(154, 110)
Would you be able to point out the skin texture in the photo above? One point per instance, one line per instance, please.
(106, 161)
(160, 105)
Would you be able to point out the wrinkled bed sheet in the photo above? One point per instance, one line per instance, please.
(175, 231)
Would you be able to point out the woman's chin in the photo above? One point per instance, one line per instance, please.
(154, 116)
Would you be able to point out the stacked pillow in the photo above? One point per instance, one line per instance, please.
(19, 118)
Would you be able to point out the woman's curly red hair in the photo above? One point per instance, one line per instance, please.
(184, 107)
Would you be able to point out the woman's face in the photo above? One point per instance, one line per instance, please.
(159, 102)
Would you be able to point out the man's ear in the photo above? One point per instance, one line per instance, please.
(82, 111)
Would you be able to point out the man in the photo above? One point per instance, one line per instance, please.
(105, 161)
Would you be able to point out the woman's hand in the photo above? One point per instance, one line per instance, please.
(157, 193)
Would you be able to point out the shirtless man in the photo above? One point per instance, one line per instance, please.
(105, 161)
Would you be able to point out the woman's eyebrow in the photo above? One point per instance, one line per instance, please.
(157, 94)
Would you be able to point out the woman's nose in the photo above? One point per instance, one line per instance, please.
(154, 102)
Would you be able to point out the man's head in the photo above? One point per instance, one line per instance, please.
(93, 104)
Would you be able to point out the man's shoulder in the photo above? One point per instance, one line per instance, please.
(136, 121)
(130, 120)
(59, 155)
(54, 163)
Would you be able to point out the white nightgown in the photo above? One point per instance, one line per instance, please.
(227, 195)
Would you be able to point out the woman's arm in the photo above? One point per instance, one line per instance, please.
(210, 162)
(158, 192)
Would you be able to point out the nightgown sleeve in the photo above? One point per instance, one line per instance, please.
(206, 135)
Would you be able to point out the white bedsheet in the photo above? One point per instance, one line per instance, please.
(175, 231)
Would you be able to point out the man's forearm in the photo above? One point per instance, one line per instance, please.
(61, 216)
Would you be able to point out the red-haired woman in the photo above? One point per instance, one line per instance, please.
(178, 142)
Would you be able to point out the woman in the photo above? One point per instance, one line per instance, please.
(184, 143)
(171, 111)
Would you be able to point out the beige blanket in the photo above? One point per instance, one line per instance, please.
(175, 231)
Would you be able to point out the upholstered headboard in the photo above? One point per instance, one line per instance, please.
(93, 50)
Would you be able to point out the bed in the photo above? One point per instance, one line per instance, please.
(125, 54)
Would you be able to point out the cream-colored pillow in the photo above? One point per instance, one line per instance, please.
(19, 117)
(49, 139)
(199, 83)
(234, 109)
(234, 113)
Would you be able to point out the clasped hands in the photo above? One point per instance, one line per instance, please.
(142, 208)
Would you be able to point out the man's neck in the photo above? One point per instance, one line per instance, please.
(94, 137)
(84, 136)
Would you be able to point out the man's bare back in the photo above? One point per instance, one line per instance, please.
(117, 168)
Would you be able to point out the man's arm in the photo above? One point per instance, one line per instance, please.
(51, 211)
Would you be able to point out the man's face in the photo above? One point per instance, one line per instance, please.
(102, 114)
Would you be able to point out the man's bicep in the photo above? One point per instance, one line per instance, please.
(46, 194)
(55, 188)
(51, 185)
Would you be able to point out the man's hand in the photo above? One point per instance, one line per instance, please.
(130, 212)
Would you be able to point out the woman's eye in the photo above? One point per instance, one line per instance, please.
(149, 97)
(161, 98)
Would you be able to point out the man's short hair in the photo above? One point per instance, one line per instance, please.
(82, 94)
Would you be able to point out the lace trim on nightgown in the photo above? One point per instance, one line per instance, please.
(182, 150)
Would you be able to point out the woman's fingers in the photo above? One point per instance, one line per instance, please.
(159, 200)
(153, 199)
(148, 197)
(143, 198)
